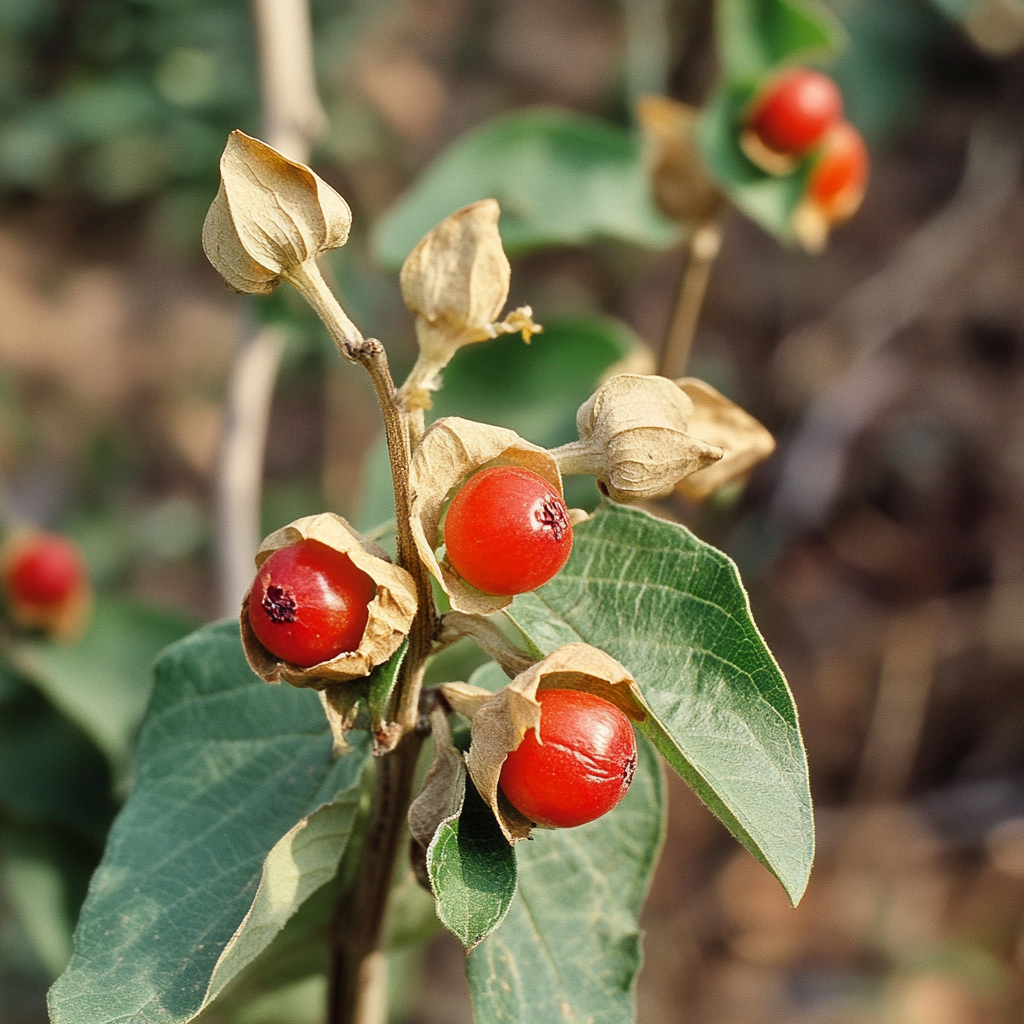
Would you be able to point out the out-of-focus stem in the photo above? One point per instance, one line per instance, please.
(704, 246)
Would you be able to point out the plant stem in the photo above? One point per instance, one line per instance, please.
(358, 967)
(704, 245)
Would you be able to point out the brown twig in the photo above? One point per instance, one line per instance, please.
(704, 245)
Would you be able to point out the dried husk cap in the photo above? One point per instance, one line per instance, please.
(391, 610)
(270, 216)
(456, 281)
(636, 438)
(501, 720)
(683, 188)
(720, 422)
(450, 450)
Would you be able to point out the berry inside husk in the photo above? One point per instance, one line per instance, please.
(46, 571)
(794, 111)
(507, 531)
(839, 175)
(309, 603)
(582, 768)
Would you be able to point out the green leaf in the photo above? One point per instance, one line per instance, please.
(569, 949)
(756, 35)
(472, 871)
(102, 682)
(672, 609)
(236, 816)
(381, 684)
(50, 771)
(561, 179)
(767, 199)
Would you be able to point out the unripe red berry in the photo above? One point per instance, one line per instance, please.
(794, 111)
(582, 768)
(309, 603)
(839, 175)
(507, 531)
(45, 571)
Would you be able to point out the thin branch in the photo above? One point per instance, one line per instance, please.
(704, 245)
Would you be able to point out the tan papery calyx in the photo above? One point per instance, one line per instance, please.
(450, 451)
(722, 423)
(636, 439)
(270, 217)
(501, 720)
(456, 281)
(390, 612)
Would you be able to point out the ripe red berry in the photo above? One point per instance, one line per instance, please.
(582, 768)
(45, 571)
(309, 603)
(794, 111)
(839, 174)
(507, 531)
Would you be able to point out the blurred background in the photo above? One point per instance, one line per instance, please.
(883, 543)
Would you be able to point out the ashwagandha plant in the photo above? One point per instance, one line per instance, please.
(248, 797)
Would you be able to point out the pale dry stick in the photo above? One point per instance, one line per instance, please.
(293, 118)
(901, 702)
(703, 247)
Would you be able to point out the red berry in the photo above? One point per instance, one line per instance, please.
(507, 531)
(309, 603)
(45, 571)
(840, 172)
(794, 111)
(583, 767)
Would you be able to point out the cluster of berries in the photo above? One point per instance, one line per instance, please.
(799, 114)
(507, 531)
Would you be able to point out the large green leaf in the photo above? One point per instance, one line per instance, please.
(672, 609)
(472, 871)
(561, 179)
(237, 814)
(102, 682)
(756, 35)
(569, 949)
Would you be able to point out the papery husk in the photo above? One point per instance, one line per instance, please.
(636, 439)
(724, 424)
(340, 702)
(764, 157)
(450, 450)
(391, 610)
(683, 188)
(501, 720)
(63, 622)
(456, 281)
(444, 786)
(270, 215)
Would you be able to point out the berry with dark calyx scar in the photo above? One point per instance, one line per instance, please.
(839, 174)
(581, 768)
(309, 603)
(507, 531)
(792, 113)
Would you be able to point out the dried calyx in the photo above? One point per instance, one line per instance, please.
(501, 720)
(391, 610)
(270, 215)
(450, 451)
(456, 281)
(644, 436)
